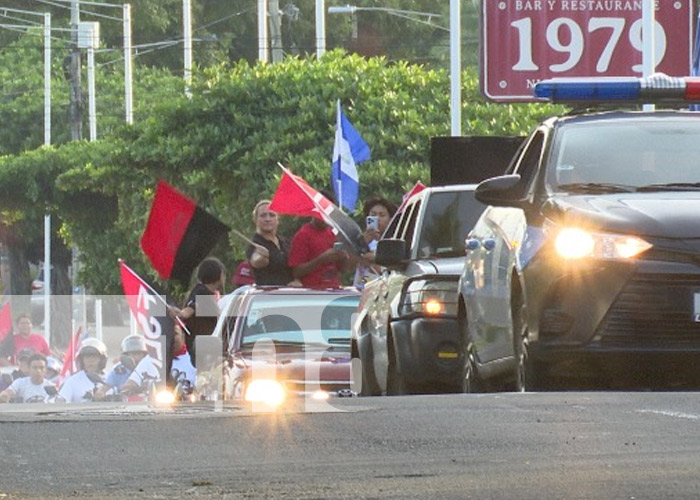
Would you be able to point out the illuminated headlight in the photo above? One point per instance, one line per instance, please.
(267, 391)
(574, 243)
(430, 297)
(165, 397)
(320, 395)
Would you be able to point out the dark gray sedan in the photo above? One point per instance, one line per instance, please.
(587, 261)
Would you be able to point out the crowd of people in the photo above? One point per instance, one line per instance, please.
(34, 381)
(313, 258)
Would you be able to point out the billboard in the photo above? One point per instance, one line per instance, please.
(524, 41)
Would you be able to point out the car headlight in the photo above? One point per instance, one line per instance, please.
(576, 243)
(267, 391)
(165, 397)
(431, 297)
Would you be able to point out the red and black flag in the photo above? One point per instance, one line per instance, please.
(179, 234)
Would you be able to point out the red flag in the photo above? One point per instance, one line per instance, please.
(69, 365)
(295, 197)
(5, 320)
(150, 310)
(417, 188)
(179, 234)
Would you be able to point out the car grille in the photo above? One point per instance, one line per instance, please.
(654, 311)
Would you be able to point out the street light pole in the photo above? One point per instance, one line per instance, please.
(455, 69)
(262, 31)
(128, 55)
(320, 28)
(187, 30)
(648, 43)
(89, 38)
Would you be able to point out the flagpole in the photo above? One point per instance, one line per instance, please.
(338, 129)
(150, 288)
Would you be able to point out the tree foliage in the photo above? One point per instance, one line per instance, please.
(222, 146)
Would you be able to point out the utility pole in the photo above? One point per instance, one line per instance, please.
(262, 31)
(455, 68)
(187, 36)
(275, 31)
(76, 94)
(320, 28)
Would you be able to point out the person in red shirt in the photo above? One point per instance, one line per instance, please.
(313, 258)
(23, 339)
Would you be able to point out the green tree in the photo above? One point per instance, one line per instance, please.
(221, 147)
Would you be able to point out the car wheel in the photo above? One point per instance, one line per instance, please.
(395, 383)
(469, 379)
(369, 387)
(525, 371)
(470, 376)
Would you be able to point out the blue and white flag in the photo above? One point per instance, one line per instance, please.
(349, 150)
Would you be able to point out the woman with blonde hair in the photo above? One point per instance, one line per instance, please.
(269, 252)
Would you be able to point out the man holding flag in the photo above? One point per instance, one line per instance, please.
(313, 257)
(349, 149)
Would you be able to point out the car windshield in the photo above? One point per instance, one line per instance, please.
(448, 219)
(625, 155)
(300, 319)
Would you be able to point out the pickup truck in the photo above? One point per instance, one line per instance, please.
(406, 333)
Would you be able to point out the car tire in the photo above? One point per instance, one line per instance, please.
(471, 383)
(370, 387)
(395, 383)
(526, 374)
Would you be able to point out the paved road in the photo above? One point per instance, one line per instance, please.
(501, 446)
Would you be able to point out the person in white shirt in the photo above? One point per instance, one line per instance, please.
(145, 372)
(34, 388)
(82, 386)
(135, 370)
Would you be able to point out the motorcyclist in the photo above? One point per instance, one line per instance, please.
(133, 349)
(23, 363)
(144, 373)
(83, 386)
(34, 388)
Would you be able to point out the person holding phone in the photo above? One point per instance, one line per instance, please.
(378, 213)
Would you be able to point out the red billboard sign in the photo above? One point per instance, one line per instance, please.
(524, 41)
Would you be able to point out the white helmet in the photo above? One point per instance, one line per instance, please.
(96, 346)
(134, 343)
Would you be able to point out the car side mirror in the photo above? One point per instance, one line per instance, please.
(390, 252)
(503, 191)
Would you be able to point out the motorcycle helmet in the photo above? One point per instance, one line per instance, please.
(92, 346)
(53, 367)
(134, 343)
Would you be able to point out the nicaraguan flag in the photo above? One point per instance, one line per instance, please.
(349, 150)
